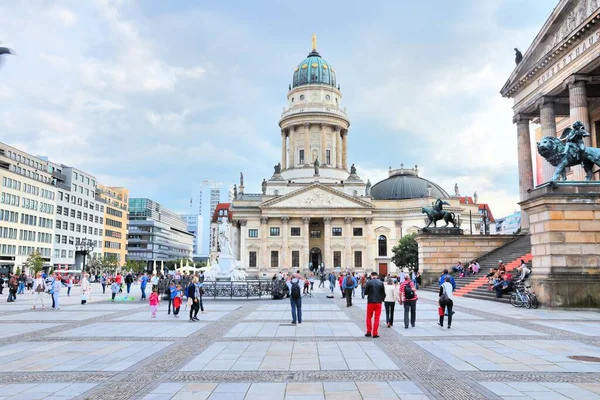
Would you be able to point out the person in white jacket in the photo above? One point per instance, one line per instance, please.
(86, 288)
(39, 289)
(391, 297)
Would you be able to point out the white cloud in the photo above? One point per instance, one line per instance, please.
(64, 15)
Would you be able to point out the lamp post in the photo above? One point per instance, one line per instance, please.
(85, 246)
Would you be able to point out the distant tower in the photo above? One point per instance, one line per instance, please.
(314, 126)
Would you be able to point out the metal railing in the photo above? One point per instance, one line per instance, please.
(226, 289)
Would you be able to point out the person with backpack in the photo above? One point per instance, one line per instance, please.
(295, 286)
(446, 301)
(375, 292)
(128, 281)
(408, 297)
(363, 285)
(348, 285)
(39, 287)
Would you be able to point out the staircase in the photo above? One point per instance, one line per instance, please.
(476, 286)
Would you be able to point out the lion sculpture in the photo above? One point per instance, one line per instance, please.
(552, 149)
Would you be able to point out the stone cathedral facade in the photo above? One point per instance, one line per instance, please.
(316, 209)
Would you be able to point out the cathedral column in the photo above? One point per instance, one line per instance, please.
(327, 242)
(264, 253)
(548, 124)
(369, 246)
(284, 250)
(398, 230)
(283, 150)
(305, 259)
(292, 154)
(306, 143)
(243, 250)
(348, 242)
(338, 147)
(524, 162)
(345, 149)
(323, 145)
(578, 106)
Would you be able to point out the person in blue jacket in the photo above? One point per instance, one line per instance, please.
(349, 282)
(443, 279)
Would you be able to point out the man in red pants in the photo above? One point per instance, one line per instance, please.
(375, 292)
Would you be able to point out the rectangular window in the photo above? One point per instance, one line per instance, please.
(337, 259)
(336, 231)
(358, 259)
(328, 157)
(357, 232)
(315, 234)
(252, 259)
(274, 231)
(301, 156)
(274, 259)
(295, 232)
(253, 233)
(295, 259)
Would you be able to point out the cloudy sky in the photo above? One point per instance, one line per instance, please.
(159, 95)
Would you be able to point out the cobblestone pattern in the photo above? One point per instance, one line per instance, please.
(288, 376)
(580, 377)
(41, 377)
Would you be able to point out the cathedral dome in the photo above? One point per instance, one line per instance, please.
(406, 184)
(314, 70)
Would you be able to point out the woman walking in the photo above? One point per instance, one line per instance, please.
(193, 294)
(39, 287)
(103, 283)
(391, 297)
(447, 301)
(86, 289)
(56, 286)
(69, 285)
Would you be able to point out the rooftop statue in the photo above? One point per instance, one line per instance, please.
(316, 165)
(264, 186)
(368, 188)
(277, 169)
(573, 152)
(437, 212)
(235, 192)
(518, 56)
(352, 169)
(241, 179)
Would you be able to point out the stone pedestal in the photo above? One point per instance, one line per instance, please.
(439, 249)
(565, 240)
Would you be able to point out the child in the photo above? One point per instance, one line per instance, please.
(114, 288)
(154, 302)
(177, 301)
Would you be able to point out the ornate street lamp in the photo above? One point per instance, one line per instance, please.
(84, 246)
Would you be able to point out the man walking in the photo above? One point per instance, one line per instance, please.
(128, 281)
(322, 281)
(22, 280)
(331, 282)
(143, 283)
(408, 297)
(13, 284)
(295, 286)
(375, 294)
(348, 285)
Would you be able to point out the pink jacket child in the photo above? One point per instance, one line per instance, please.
(154, 303)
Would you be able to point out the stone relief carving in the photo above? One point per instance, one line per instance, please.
(579, 14)
(316, 199)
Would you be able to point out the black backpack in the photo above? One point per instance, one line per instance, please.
(409, 293)
(295, 290)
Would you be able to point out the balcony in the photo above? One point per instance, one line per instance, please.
(293, 111)
(59, 176)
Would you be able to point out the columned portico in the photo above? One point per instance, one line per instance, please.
(283, 149)
(524, 162)
(304, 260)
(578, 110)
(306, 144)
(369, 227)
(327, 242)
(292, 151)
(345, 149)
(548, 125)
(323, 158)
(348, 243)
(284, 233)
(338, 148)
(264, 234)
(243, 236)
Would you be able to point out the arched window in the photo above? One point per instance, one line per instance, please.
(382, 246)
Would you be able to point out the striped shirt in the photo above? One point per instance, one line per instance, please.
(402, 294)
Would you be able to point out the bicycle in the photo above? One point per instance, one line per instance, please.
(521, 296)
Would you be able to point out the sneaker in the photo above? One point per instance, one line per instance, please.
(293, 322)
(388, 325)
(195, 319)
(440, 325)
(448, 326)
(375, 336)
(413, 325)
(367, 335)
(191, 320)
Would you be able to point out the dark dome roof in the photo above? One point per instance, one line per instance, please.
(405, 184)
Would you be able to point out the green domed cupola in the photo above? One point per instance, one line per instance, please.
(314, 70)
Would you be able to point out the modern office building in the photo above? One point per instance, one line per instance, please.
(194, 226)
(156, 234)
(27, 207)
(115, 201)
(79, 217)
(204, 202)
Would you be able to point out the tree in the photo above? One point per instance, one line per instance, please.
(406, 253)
(110, 263)
(137, 266)
(34, 262)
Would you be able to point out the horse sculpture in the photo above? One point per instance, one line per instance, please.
(434, 216)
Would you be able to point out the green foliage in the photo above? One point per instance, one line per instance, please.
(110, 263)
(34, 262)
(137, 266)
(406, 253)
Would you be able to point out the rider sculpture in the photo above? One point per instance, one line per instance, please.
(437, 213)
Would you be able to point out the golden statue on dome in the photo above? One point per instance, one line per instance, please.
(314, 42)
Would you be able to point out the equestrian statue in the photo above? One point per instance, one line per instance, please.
(437, 213)
(574, 152)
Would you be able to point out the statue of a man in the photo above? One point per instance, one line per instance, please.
(456, 192)
(316, 165)
(352, 169)
(264, 186)
(224, 244)
(475, 197)
(241, 179)
(428, 190)
(235, 191)
(574, 139)
(278, 169)
(368, 188)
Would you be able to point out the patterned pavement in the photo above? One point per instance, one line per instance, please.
(250, 350)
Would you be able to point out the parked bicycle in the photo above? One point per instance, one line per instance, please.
(522, 296)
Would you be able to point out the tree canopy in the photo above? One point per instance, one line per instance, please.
(406, 253)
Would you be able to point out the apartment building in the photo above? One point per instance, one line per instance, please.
(27, 207)
(115, 201)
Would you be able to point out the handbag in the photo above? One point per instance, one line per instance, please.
(444, 298)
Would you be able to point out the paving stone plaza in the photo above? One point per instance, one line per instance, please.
(248, 349)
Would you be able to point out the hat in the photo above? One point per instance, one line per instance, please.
(499, 261)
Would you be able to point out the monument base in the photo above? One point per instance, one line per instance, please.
(564, 220)
(449, 230)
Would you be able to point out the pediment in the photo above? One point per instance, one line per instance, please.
(567, 18)
(317, 196)
(382, 229)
